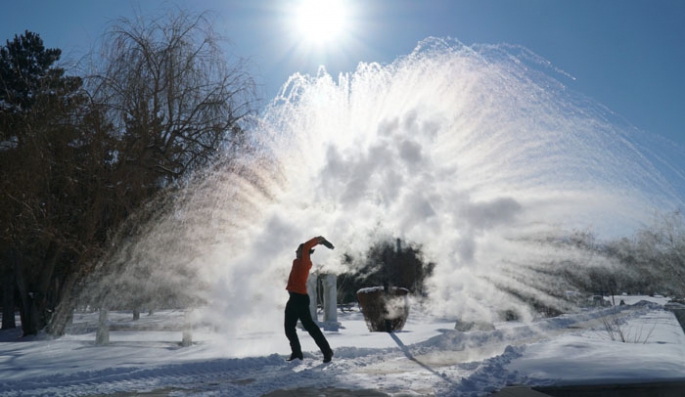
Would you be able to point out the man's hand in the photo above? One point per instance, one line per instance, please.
(326, 243)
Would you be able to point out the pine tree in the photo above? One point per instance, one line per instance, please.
(37, 135)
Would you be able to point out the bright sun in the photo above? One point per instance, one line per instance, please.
(321, 21)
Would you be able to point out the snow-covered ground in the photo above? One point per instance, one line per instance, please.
(429, 357)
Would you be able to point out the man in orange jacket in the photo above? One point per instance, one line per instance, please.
(297, 307)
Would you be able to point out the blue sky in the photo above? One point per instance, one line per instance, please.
(625, 54)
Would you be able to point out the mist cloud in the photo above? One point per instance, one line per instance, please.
(467, 154)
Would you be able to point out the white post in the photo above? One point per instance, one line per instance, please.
(102, 334)
(330, 302)
(187, 329)
(311, 291)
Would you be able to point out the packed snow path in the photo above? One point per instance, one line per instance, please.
(450, 362)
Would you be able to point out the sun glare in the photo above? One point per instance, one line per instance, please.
(321, 21)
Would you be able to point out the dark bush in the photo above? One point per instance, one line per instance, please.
(386, 262)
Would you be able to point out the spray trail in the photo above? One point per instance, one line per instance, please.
(468, 151)
(464, 150)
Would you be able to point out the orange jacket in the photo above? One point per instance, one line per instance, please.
(297, 282)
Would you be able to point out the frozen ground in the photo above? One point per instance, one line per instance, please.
(429, 357)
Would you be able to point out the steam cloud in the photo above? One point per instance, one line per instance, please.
(468, 151)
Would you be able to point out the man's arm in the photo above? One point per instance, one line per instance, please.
(307, 247)
(311, 243)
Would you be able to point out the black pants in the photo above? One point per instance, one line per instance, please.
(297, 308)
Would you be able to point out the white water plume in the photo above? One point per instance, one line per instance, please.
(467, 151)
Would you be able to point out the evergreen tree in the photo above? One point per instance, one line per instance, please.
(37, 138)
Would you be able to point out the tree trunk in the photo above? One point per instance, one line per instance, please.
(64, 311)
(45, 304)
(8, 304)
(33, 292)
(28, 320)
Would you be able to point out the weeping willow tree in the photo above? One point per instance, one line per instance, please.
(174, 102)
(172, 94)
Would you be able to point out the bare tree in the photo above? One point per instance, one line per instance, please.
(175, 104)
(172, 95)
(661, 250)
